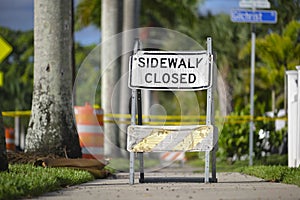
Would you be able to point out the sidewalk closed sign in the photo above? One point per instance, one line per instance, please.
(170, 70)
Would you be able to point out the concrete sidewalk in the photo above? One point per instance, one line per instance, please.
(229, 186)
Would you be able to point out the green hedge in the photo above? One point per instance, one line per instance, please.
(234, 138)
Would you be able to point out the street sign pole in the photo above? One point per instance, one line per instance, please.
(253, 16)
(251, 124)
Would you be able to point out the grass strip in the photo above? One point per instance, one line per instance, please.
(24, 180)
(282, 174)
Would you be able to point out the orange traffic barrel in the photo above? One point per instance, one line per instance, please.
(10, 139)
(170, 157)
(89, 122)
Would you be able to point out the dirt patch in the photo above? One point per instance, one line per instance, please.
(26, 158)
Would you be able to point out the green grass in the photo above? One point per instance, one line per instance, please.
(27, 180)
(282, 174)
(226, 166)
(272, 168)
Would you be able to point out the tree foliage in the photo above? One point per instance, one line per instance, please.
(276, 53)
(16, 92)
(164, 13)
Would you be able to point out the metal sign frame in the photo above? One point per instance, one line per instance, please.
(210, 120)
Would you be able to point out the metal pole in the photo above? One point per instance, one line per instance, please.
(133, 118)
(251, 124)
(140, 122)
(215, 132)
(209, 106)
(131, 155)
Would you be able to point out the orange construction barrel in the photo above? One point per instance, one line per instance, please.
(10, 139)
(89, 122)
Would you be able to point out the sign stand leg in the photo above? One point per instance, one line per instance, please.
(140, 122)
(213, 164)
(135, 94)
(141, 158)
(131, 161)
(206, 176)
(131, 168)
(209, 109)
(214, 156)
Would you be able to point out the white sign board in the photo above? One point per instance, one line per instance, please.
(254, 4)
(170, 70)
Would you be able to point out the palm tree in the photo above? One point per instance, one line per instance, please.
(110, 49)
(51, 128)
(287, 11)
(276, 53)
(167, 13)
(228, 39)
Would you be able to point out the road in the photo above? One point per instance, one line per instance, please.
(229, 186)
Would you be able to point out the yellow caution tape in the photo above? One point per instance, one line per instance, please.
(165, 119)
(16, 113)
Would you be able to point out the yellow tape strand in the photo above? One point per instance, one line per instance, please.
(165, 120)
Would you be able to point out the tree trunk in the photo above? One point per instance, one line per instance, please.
(110, 50)
(51, 128)
(130, 21)
(273, 101)
(3, 155)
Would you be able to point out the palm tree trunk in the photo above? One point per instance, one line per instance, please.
(51, 128)
(110, 49)
(130, 21)
(273, 101)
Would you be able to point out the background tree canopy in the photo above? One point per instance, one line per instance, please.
(277, 50)
(18, 71)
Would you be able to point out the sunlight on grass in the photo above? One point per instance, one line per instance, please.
(27, 180)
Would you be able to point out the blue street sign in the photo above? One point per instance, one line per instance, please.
(254, 16)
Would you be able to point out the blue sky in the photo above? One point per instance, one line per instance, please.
(218, 6)
(18, 15)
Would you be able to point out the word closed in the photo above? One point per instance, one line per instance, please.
(166, 70)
